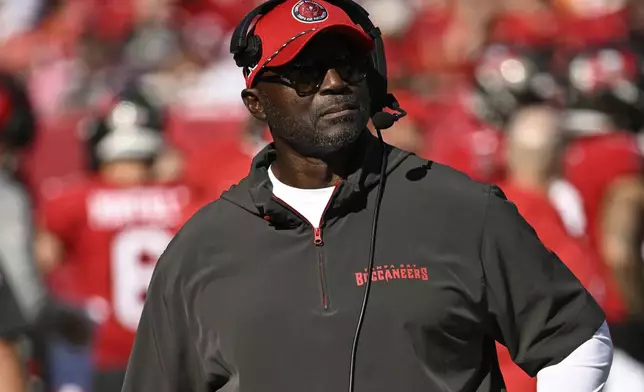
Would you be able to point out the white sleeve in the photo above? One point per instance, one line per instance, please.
(584, 370)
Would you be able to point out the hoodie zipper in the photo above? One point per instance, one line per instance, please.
(319, 245)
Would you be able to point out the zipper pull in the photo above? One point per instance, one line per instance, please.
(317, 232)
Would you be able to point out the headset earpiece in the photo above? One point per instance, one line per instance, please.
(246, 47)
(250, 56)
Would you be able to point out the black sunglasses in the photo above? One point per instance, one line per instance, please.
(306, 79)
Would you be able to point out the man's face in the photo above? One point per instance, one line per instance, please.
(319, 102)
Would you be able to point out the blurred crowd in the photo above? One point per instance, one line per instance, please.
(121, 118)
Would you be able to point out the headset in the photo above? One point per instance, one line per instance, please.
(246, 48)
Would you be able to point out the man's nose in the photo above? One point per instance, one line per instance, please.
(333, 83)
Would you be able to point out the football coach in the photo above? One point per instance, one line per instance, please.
(342, 263)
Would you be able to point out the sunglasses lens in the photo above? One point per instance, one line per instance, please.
(306, 79)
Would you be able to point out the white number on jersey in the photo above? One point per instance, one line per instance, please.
(134, 254)
(569, 203)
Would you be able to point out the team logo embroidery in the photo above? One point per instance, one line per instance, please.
(387, 273)
(309, 12)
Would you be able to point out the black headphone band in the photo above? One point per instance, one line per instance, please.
(239, 41)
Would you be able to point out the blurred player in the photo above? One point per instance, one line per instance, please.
(603, 162)
(21, 295)
(27, 313)
(534, 149)
(111, 229)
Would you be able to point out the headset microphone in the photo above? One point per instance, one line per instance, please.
(383, 120)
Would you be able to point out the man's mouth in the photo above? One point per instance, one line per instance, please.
(340, 110)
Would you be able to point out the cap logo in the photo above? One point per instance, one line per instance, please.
(309, 12)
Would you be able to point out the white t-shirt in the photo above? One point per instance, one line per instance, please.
(310, 203)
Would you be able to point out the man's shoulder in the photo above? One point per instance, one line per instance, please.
(442, 182)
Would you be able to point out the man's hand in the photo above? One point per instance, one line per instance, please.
(11, 375)
(49, 251)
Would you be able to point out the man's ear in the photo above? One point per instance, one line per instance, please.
(253, 103)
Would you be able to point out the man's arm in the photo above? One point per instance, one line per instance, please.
(536, 306)
(11, 376)
(585, 369)
(621, 239)
(22, 295)
(12, 324)
(16, 255)
(49, 251)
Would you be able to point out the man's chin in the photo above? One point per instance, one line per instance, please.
(331, 142)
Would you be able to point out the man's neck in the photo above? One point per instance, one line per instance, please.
(302, 172)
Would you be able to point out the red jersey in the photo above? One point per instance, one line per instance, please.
(574, 252)
(592, 164)
(113, 238)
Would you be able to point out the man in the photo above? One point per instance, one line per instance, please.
(604, 163)
(22, 297)
(262, 289)
(19, 293)
(534, 150)
(110, 229)
(26, 310)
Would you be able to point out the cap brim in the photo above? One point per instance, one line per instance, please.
(294, 48)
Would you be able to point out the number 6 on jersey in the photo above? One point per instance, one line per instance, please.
(134, 254)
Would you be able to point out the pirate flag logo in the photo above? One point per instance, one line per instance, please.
(309, 12)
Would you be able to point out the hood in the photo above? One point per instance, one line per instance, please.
(255, 192)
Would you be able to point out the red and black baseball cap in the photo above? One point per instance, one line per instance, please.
(286, 29)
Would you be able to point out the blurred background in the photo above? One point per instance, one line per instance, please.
(543, 97)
